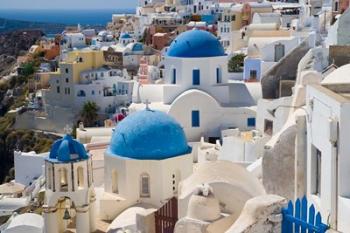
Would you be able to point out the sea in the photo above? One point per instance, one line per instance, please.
(85, 17)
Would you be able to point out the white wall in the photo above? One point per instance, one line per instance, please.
(28, 166)
(213, 117)
(160, 172)
(329, 107)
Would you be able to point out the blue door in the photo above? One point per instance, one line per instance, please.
(196, 77)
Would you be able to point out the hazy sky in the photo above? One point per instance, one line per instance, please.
(67, 4)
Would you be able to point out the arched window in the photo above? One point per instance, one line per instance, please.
(145, 185)
(80, 172)
(49, 176)
(218, 75)
(115, 181)
(63, 182)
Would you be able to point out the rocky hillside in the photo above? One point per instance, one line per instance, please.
(13, 44)
(16, 42)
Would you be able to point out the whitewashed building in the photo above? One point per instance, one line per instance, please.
(196, 91)
(328, 127)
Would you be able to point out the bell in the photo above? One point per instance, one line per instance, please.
(66, 215)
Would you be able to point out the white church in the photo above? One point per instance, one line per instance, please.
(147, 158)
(196, 90)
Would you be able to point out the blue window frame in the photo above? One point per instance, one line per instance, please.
(218, 75)
(173, 81)
(251, 122)
(196, 77)
(195, 119)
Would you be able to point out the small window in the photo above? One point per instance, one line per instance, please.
(218, 75)
(81, 93)
(58, 89)
(63, 182)
(195, 119)
(268, 127)
(251, 122)
(67, 80)
(233, 18)
(253, 75)
(196, 77)
(80, 172)
(145, 185)
(173, 81)
(115, 181)
(316, 161)
(67, 71)
(92, 92)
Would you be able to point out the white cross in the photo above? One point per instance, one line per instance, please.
(68, 130)
(147, 104)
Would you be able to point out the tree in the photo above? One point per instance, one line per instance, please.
(89, 113)
(235, 64)
(28, 69)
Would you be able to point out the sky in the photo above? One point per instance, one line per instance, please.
(67, 4)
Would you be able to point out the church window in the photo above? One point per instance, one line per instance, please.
(145, 185)
(80, 172)
(218, 75)
(63, 182)
(115, 181)
(196, 77)
(173, 81)
(195, 119)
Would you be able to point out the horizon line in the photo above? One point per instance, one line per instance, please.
(70, 9)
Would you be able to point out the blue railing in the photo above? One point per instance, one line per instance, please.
(302, 219)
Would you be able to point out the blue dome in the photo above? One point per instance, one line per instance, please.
(196, 43)
(125, 36)
(149, 135)
(67, 149)
(137, 47)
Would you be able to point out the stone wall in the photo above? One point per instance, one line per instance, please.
(339, 55)
(260, 214)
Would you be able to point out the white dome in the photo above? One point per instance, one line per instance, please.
(340, 75)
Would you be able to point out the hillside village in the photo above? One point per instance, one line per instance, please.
(190, 116)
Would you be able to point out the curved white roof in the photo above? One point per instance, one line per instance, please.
(222, 172)
(340, 75)
(26, 221)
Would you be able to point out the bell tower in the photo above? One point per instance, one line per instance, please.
(69, 190)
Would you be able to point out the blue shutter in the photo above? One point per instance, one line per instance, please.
(174, 76)
(196, 77)
(195, 119)
(251, 122)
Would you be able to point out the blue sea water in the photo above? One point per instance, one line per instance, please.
(64, 16)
